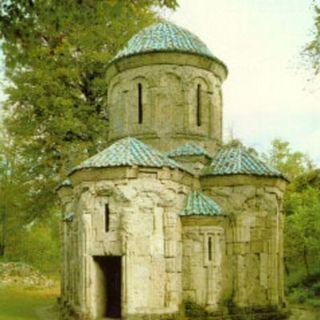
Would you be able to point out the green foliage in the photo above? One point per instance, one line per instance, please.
(306, 291)
(291, 163)
(313, 47)
(36, 244)
(302, 219)
(56, 54)
(298, 295)
(302, 230)
(12, 197)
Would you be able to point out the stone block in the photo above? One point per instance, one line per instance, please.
(257, 246)
(189, 295)
(164, 174)
(169, 248)
(220, 191)
(229, 247)
(132, 172)
(127, 191)
(246, 191)
(170, 265)
(278, 192)
(241, 248)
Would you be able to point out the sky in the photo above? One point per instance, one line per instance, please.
(270, 91)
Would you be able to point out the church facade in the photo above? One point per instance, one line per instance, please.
(166, 223)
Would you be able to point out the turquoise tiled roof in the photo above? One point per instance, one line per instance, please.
(200, 205)
(189, 149)
(128, 152)
(163, 37)
(236, 160)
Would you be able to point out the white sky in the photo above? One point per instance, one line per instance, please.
(267, 93)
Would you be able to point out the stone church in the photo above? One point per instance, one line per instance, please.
(166, 223)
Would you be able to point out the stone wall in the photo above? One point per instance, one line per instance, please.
(218, 263)
(254, 206)
(169, 99)
(205, 270)
(144, 230)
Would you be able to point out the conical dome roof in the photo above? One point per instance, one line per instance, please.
(164, 37)
(237, 160)
(129, 152)
(200, 205)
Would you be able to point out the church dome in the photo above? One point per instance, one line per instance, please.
(164, 37)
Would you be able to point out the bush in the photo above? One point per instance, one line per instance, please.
(314, 303)
(298, 295)
(316, 289)
(37, 245)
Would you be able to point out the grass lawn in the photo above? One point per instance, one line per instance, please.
(25, 304)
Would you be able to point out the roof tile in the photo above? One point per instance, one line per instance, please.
(163, 37)
(129, 152)
(200, 205)
(236, 160)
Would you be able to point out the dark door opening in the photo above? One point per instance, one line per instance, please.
(110, 284)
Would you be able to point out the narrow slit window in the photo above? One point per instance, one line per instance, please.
(106, 218)
(210, 249)
(140, 104)
(199, 105)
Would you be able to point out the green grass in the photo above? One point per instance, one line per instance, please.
(25, 304)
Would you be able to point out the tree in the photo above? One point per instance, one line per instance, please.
(313, 48)
(12, 198)
(301, 209)
(302, 232)
(56, 54)
(290, 163)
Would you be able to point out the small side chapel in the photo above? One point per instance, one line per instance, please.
(165, 220)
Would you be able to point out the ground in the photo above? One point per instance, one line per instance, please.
(28, 304)
(39, 304)
(301, 312)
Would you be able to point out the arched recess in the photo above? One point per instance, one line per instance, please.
(200, 108)
(116, 109)
(169, 104)
(217, 114)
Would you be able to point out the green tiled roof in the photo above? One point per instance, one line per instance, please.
(200, 205)
(237, 160)
(164, 37)
(189, 149)
(128, 152)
